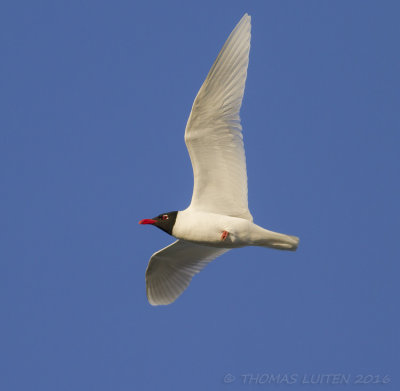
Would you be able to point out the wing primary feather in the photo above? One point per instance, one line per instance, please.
(213, 133)
(171, 269)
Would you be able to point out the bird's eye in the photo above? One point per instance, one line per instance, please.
(165, 217)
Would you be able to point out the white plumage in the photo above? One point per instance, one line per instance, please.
(171, 269)
(218, 217)
(213, 133)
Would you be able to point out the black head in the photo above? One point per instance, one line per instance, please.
(163, 221)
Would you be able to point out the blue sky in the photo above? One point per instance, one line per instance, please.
(94, 100)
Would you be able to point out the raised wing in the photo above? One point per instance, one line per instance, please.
(171, 269)
(213, 133)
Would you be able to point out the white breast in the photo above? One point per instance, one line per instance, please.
(207, 228)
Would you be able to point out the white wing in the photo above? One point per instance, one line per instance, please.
(213, 133)
(171, 269)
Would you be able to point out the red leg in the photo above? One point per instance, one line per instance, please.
(224, 235)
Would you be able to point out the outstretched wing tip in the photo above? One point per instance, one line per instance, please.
(246, 18)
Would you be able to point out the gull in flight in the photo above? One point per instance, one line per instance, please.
(218, 218)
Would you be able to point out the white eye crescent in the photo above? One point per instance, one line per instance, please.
(165, 217)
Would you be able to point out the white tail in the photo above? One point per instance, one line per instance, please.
(276, 240)
(284, 242)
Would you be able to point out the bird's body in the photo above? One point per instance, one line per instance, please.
(218, 218)
(206, 228)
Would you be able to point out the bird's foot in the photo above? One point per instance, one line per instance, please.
(224, 235)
